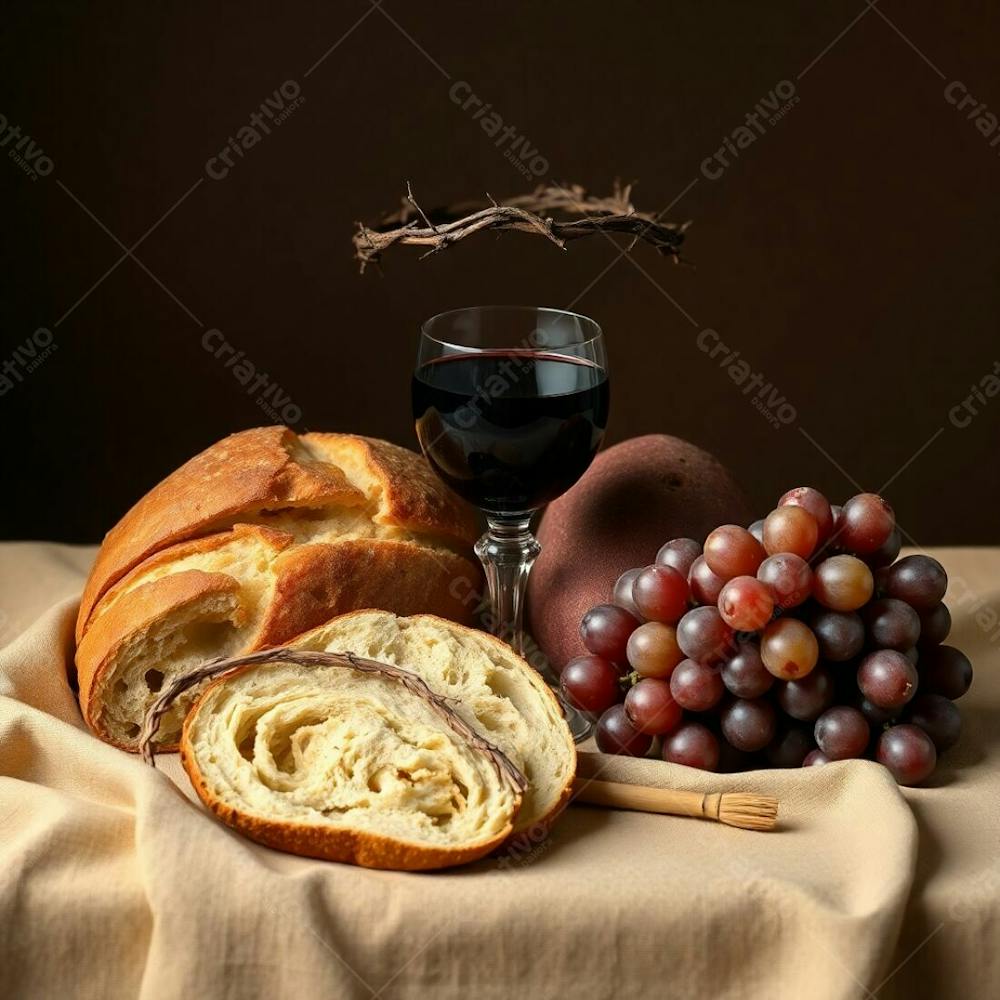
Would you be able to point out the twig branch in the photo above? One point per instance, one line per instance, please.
(580, 214)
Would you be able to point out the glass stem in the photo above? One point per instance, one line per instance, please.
(507, 551)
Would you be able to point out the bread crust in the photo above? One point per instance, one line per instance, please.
(267, 469)
(318, 582)
(248, 471)
(411, 494)
(130, 620)
(351, 846)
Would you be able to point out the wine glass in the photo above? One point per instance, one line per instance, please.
(510, 403)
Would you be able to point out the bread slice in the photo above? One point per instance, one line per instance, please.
(330, 762)
(492, 688)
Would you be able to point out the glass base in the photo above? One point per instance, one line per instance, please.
(580, 726)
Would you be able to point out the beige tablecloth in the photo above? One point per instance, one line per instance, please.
(114, 883)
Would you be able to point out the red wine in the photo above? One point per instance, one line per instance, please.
(510, 430)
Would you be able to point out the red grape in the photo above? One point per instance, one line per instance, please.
(919, 580)
(887, 678)
(622, 595)
(888, 551)
(790, 748)
(704, 636)
(938, 717)
(866, 522)
(705, 585)
(788, 577)
(944, 670)
(788, 648)
(790, 529)
(732, 551)
(908, 752)
(651, 707)
(590, 683)
(653, 649)
(840, 634)
(757, 530)
(934, 626)
(746, 604)
(679, 554)
(695, 686)
(694, 745)
(749, 724)
(892, 624)
(814, 758)
(876, 716)
(815, 503)
(605, 630)
(842, 583)
(661, 594)
(744, 674)
(616, 734)
(808, 697)
(842, 732)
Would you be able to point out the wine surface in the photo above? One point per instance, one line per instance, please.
(510, 430)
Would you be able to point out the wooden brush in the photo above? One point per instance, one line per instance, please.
(742, 809)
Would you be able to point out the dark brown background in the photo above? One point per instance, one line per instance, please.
(850, 254)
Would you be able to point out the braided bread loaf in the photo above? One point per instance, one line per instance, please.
(262, 536)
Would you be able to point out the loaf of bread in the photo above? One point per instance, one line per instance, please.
(261, 537)
(490, 687)
(348, 761)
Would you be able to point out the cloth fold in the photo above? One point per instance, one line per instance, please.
(114, 882)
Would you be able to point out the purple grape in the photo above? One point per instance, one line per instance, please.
(938, 717)
(945, 670)
(919, 580)
(876, 716)
(841, 733)
(840, 634)
(694, 745)
(744, 674)
(892, 624)
(679, 554)
(934, 626)
(622, 595)
(749, 724)
(887, 552)
(887, 678)
(605, 631)
(788, 577)
(590, 683)
(616, 734)
(866, 524)
(704, 636)
(807, 697)
(790, 749)
(814, 758)
(908, 752)
(651, 707)
(696, 686)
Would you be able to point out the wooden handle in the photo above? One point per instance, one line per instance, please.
(644, 798)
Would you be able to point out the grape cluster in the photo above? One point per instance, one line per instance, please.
(800, 640)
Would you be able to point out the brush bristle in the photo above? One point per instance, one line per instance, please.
(749, 812)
